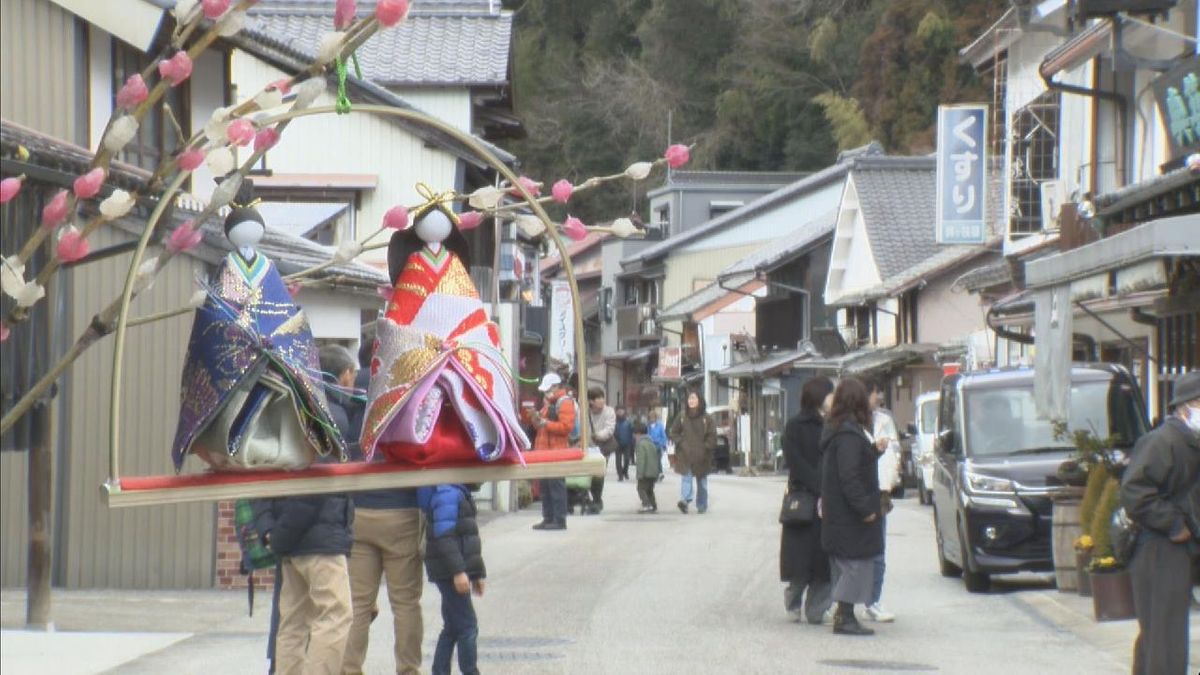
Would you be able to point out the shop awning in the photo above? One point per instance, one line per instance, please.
(1166, 237)
(640, 354)
(868, 360)
(711, 294)
(768, 365)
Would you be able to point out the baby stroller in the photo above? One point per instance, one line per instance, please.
(579, 492)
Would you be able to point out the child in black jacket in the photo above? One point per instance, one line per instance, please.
(454, 561)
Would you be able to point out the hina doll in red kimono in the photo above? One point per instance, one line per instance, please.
(441, 391)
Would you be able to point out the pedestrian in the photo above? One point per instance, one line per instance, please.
(803, 563)
(647, 464)
(387, 538)
(1160, 491)
(851, 514)
(312, 537)
(604, 425)
(454, 560)
(624, 436)
(695, 437)
(888, 444)
(658, 433)
(555, 424)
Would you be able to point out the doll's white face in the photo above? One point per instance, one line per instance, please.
(434, 227)
(246, 234)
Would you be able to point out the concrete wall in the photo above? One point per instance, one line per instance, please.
(946, 316)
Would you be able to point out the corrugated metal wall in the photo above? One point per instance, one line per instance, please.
(13, 519)
(144, 547)
(38, 39)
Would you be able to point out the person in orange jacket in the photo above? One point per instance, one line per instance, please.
(555, 424)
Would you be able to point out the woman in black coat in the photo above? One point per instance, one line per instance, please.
(851, 514)
(803, 564)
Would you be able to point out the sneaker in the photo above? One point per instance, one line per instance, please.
(682, 506)
(550, 526)
(877, 613)
(702, 510)
(645, 509)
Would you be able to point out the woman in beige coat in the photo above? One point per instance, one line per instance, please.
(695, 437)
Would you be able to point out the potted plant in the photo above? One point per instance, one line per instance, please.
(1097, 476)
(1083, 559)
(1112, 587)
(1085, 473)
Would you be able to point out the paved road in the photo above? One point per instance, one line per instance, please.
(626, 593)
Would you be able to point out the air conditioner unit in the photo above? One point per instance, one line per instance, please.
(1054, 195)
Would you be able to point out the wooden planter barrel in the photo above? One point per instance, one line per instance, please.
(1112, 595)
(1065, 529)
(1083, 577)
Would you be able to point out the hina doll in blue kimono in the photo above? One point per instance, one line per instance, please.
(252, 397)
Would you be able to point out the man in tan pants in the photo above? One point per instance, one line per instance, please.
(388, 539)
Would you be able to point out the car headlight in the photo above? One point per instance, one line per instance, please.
(979, 483)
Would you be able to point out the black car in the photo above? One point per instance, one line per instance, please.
(996, 461)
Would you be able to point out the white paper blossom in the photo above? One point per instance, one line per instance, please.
(143, 279)
(330, 45)
(225, 191)
(184, 9)
(12, 281)
(220, 161)
(307, 92)
(639, 170)
(347, 251)
(624, 227)
(486, 197)
(268, 99)
(532, 226)
(117, 204)
(218, 122)
(197, 299)
(232, 24)
(122, 130)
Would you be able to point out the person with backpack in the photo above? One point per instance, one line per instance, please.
(556, 423)
(1160, 491)
(311, 537)
(695, 437)
(454, 562)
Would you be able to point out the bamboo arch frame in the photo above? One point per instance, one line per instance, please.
(168, 196)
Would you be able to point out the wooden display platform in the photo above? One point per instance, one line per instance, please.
(347, 477)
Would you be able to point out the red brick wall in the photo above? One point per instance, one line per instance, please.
(229, 555)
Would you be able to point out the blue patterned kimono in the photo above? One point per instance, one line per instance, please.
(251, 348)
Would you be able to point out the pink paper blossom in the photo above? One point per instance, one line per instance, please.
(284, 86)
(574, 229)
(240, 131)
(55, 210)
(176, 69)
(213, 9)
(677, 155)
(132, 93)
(72, 246)
(3, 332)
(88, 185)
(396, 218)
(386, 293)
(266, 139)
(185, 238)
(391, 12)
(9, 187)
(343, 14)
(293, 288)
(190, 160)
(562, 191)
(531, 186)
(469, 220)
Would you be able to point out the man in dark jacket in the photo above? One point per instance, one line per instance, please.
(624, 438)
(1161, 493)
(454, 560)
(312, 537)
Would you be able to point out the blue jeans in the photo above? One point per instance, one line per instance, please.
(880, 567)
(459, 628)
(554, 500)
(685, 490)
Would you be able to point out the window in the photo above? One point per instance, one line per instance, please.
(717, 208)
(157, 134)
(1034, 161)
(858, 319)
(662, 219)
(907, 318)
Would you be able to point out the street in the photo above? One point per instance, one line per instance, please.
(629, 593)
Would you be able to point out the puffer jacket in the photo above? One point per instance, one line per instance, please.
(309, 525)
(850, 493)
(452, 543)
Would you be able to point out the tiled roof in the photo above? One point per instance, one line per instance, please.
(463, 42)
(785, 247)
(896, 196)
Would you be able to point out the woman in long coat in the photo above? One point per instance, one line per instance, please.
(851, 527)
(803, 564)
(695, 436)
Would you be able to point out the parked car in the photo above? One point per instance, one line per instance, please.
(923, 430)
(994, 456)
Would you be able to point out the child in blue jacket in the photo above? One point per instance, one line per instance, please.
(454, 561)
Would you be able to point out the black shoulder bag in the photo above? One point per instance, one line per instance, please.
(799, 507)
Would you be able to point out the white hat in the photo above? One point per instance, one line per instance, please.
(550, 381)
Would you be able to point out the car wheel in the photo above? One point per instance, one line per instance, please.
(976, 582)
(947, 568)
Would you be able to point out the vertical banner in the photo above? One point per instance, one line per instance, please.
(962, 174)
(562, 323)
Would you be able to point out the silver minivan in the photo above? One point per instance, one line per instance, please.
(924, 430)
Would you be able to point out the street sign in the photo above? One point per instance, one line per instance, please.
(962, 174)
(670, 363)
(1178, 94)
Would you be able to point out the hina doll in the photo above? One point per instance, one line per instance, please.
(251, 394)
(441, 391)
